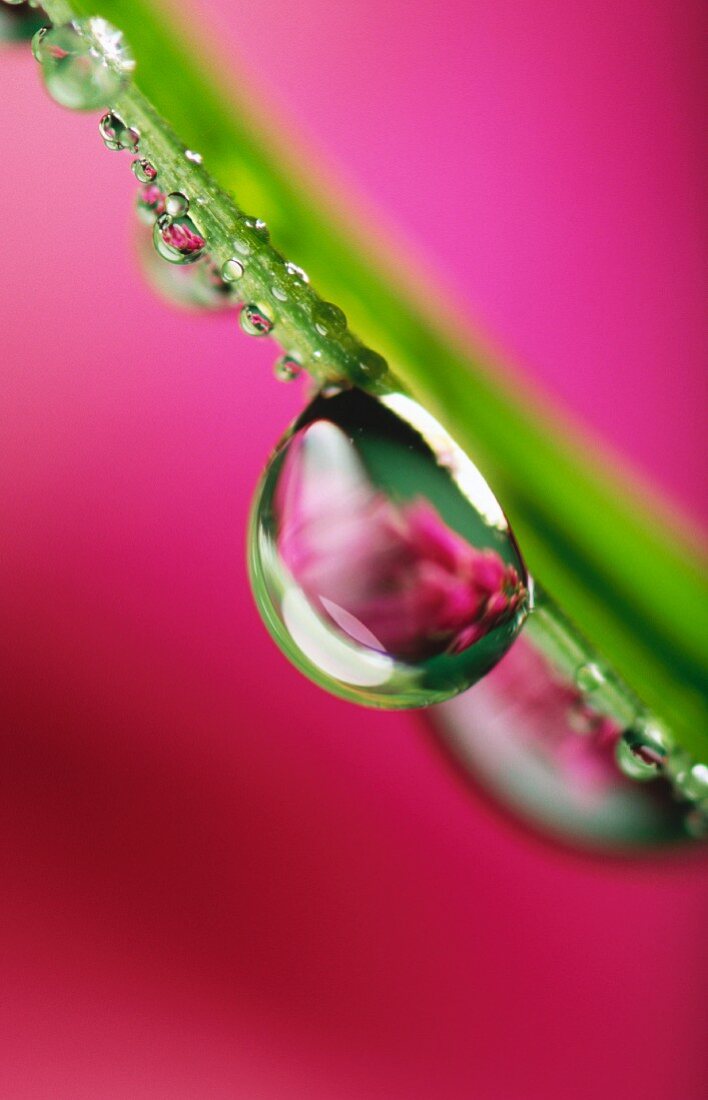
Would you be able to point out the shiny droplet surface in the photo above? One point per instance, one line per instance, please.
(196, 158)
(150, 204)
(116, 133)
(177, 240)
(232, 270)
(380, 560)
(642, 751)
(287, 368)
(143, 170)
(297, 273)
(371, 366)
(197, 286)
(85, 64)
(176, 204)
(328, 319)
(255, 320)
(589, 677)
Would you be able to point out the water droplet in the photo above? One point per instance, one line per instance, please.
(380, 560)
(196, 158)
(85, 64)
(176, 204)
(177, 239)
(693, 782)
(287, 368)
(36, 44)
(257, 225)
(296, 272)
(144, 171)
(192, 286)
(232, 270)
(279, 293)
(328, 318)
(242, 245)
(117, 134)
(642, 750)
(371, 366)
(255, 320)
(589, 677)
(151, 203)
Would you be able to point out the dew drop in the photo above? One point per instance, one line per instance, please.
(328, 318)
(176, 204)
(642, 750)
(380, 560)
(255, 320)
(117, 134)
(242, 245)
(258, 226)
(279, 292)
(177, 239)
(589, 677)
(371, 366)
(196, 158)
(693, 782)
(287, 368)
(85, 64)
(232, 270)
(143, 170)
(195, 286)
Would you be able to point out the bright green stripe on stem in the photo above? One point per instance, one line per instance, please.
(615, 565)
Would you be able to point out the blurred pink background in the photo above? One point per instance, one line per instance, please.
(217, 881)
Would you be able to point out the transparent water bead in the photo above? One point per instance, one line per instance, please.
(255, 321)
(642, 751)
(18, 21)
(177, 240)
(151, 203)
(380, 560)
(197, 286)
(176, 204)
(144, 171)
(117, 135)
(232, 270)
(85, 64)
(287, 368)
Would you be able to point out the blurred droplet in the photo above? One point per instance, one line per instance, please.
(177, 239)
(297, 273)
(328, 319)
(85, 64)
(380, 560)
(196, 158)
(642, 750)
(287, 368)
(370, 367)
(150, 203)
(255, 321)
(195, 286)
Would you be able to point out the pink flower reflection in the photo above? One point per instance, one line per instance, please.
(392, 576)
(182, 236)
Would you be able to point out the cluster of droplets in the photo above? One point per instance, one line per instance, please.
(645, 751)
(85, 64)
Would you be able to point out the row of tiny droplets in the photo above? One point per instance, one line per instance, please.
(197, 221)
(270, 283)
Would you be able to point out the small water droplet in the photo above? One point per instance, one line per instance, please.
(177, 239)
(255, 320)
(143, 170)
(116, 134)
(287, 368)
(371, 366)
(232, 270)
(196, 158)
(328, 319)
(85, 64)
(242, 245)
(258, 226)
(176, 204)
(642, 750)
(693, 782)
(589, 677)
(279, 293)
(296, 272)
(385, 575)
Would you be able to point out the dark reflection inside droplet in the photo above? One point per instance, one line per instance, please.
(381, 561)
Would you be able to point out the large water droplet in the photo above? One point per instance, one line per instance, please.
(177, 239)
(85, 64)
(144, 171)
(192, 286)
(380, 560)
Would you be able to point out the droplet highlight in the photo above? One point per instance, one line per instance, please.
(380, 560)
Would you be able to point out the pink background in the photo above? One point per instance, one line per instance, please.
(216, 881)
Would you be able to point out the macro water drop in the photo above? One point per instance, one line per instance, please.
(143, 170)
(642, 750)
(177, 240)
(117, 135)
(287, 368)
(232, 270)
(85, 64)
(380, 561)
(255, 320)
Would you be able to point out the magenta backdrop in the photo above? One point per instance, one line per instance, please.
(216, 881)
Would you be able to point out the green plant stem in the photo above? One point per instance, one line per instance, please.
(617, 566)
